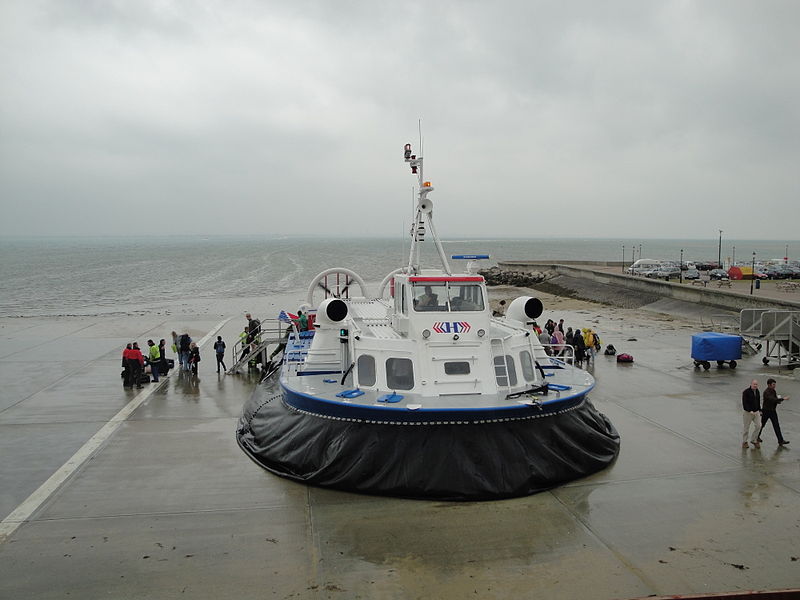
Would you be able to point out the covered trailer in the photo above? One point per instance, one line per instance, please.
(720, 347)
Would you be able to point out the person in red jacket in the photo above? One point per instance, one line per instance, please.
(127, 380)
(136, 364)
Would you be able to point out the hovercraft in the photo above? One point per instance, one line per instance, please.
(423, 393)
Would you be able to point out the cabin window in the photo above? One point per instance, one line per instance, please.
(399, 373)
(465, 297)
(430, 297)
(504, 371)
(528, 372)
(456, 368)
(443, 297)
(366, 370)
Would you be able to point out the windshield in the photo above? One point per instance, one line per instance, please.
(448, 297)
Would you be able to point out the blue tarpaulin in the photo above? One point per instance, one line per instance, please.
(716, 346)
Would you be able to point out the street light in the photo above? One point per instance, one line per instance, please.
(733, 260)
(753, 273)
(719, 257)
(623, 258)
(681, 278)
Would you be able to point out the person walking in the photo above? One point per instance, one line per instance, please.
(243, 342)
(154, 359)
(253, 328)
(184, 347)
(219, 349)
(751, 405)
(580, 347)
(769, 411)
(590, 344)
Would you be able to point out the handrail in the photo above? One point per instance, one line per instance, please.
(269, 332)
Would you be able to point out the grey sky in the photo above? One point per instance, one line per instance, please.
(603, 119)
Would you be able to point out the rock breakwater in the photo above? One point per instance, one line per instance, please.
(498, 276)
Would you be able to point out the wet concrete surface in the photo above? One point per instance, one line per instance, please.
(169, 507)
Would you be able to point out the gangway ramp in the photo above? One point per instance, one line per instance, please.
(271, 331)
(778, 329)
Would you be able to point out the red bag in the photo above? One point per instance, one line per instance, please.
(624, 358)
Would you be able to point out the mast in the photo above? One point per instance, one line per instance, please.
(423, 216)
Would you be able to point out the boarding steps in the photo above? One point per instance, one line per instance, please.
(272, 331)
(778, 329)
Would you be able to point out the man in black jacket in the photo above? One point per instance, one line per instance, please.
(751, 405)
(770, 410)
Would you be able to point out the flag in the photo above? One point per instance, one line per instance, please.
(286, 317)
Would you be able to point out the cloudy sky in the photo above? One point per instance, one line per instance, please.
(636, 119)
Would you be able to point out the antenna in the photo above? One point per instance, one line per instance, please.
(423, 214)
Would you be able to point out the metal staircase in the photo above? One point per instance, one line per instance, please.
(778, 329)
(271, 332)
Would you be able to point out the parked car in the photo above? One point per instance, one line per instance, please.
(643, 266)
(719, 274)
(666, 273)
(707, 265)
(691, 274)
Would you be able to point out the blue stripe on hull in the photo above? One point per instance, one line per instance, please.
(400, 415)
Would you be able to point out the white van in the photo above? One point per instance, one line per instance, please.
(644, 266)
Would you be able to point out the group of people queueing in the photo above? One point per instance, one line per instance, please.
(133, 362)
(556, 340)
(187, 351)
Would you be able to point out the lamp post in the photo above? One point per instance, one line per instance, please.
(719, 257)
(623, 258)
(733, 260)
(753, 276)
(786, 255)
(681, 276)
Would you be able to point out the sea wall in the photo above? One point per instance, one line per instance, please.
(708, 296)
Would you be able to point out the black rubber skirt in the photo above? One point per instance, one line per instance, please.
(447, 462)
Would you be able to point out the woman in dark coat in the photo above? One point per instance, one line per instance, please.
(580, 347)
(163, 366)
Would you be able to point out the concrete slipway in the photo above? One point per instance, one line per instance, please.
(165, 505)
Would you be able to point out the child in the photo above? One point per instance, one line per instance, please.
(194, 357)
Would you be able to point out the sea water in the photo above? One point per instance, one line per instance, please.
(58, 276)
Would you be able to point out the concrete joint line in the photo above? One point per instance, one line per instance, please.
(32, 503)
